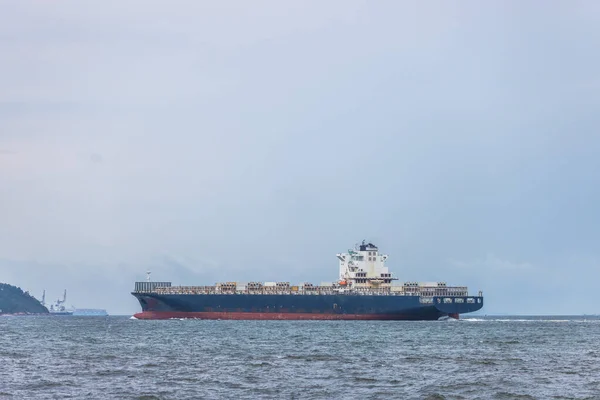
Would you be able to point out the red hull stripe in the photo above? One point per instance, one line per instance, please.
(266, 316)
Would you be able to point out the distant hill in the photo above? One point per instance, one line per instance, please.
(14, 301)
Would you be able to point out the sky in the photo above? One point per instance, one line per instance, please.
(240, 141)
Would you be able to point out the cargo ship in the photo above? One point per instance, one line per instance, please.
(58, 308)
(364, 291)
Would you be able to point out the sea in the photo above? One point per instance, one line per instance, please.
(117, 357)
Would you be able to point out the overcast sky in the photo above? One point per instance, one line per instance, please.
(235, 140)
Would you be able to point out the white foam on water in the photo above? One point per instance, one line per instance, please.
(527, 320)
(132, 317)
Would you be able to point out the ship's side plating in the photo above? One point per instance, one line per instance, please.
(282, 306)
(364, 291)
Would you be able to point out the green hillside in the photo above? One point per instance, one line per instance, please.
(14, 301)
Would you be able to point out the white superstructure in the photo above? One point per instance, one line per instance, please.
(364, 267)
(58, 308)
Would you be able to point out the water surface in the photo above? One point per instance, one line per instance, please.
(474, 358)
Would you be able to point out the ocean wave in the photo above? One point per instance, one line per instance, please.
(508, 357)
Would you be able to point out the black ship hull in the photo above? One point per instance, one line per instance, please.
(302, 306)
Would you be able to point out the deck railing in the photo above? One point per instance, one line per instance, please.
(162, 288)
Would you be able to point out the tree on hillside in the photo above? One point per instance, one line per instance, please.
(14, 300)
